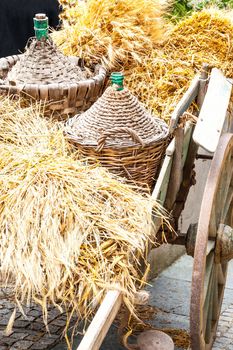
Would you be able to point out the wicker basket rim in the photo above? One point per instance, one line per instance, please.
(116, 146)
(54, 85)
(117, 120)
(100, 73)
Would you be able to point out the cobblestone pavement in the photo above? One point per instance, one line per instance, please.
(224, 338)
(29, 331)
(170, 294)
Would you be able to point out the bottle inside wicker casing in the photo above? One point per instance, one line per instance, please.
(121, 134)
(44, 73)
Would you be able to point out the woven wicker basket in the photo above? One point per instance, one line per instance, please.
(122, 135)
(44, 73)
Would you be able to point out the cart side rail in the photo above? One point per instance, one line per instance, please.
(213, 113)
(184, 103)
(102, 321)
(161, 187)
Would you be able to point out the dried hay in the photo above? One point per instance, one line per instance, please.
(159, 77)
(160, 82)
(205, 37)
(129, 327)
(118, 32)
(180, 337)
(69, 231)
(162, 79)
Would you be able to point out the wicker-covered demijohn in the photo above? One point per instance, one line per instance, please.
(120, 133)
(44, 73)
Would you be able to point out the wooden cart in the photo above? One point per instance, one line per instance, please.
(210, 241)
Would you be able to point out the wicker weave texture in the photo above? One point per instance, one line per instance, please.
(114, 116)
(139, 165)
(119, 133)
(62, 83)
(43, 63)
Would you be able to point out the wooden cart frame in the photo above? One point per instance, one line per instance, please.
(210, 240)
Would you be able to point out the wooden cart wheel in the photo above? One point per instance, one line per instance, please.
(209, 271)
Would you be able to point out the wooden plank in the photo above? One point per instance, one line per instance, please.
(188, 159)
(160, 190)
(171, 148)
(176, 170)
(102, 321)
(184, 103)
(203, 83)
(187, 138)
(213, 112)
(161, 186)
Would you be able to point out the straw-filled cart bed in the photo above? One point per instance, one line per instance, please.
(69, 230)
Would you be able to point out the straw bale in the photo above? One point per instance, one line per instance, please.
(118, 32)
(204, 37)
(159, 82)
(69, 230)
(164, 76)
(158, 73)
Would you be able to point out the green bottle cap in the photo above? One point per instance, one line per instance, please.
(118, 79)
(41, 25)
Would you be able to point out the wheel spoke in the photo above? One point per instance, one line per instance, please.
(210, 307)
(228, 204)
(225, 185)
(215, 296)
(208, 272)
(208, 304)
(221, 275)
(229, 216)
(218, 211)
(213, 224)
(210, 247)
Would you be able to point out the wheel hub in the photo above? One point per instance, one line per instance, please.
(191, 239)
(224, 244)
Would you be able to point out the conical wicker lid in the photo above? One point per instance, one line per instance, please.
(43, 63)
(117, 119)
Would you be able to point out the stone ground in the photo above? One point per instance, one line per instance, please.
(170, 293)
(29, 332)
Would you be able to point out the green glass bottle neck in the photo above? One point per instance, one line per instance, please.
(41, 26)
(117, 78)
